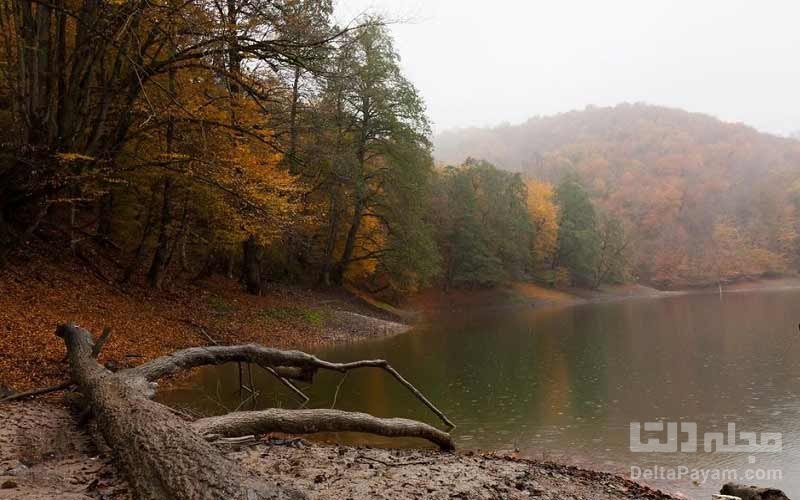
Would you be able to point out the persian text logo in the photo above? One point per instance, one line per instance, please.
(743, 442)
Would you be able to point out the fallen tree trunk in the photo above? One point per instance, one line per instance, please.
(167, 458)
(312, 421)
(162, 456)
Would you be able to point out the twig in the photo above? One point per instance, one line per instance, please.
(38, 392)
(201, 329)
(288, 383)
(338, 386)
(396, 464)
(283, 380)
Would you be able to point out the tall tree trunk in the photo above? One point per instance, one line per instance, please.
(293, 121)
(161, 256)
(330, 245)
(155, 274)
(252, 265)
(147, 228)
(105, 215)
(350, 243)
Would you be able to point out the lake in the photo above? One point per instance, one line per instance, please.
(565, 383)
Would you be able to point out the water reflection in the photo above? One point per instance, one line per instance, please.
(566, 382)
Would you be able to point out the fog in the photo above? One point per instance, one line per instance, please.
(483, 63)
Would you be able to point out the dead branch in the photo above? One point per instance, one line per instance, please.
(100, 342)
(267, 357)
(284, 374)
(395, 464)
(286, 382)
(313, 421)
(39, 392)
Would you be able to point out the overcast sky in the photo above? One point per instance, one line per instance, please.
(479, 62)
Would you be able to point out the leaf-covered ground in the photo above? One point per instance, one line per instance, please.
(37, 295)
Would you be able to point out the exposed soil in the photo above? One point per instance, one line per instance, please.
(44, 455)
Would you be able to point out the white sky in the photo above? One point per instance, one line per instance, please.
(479, 62)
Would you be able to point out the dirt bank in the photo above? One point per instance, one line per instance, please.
(44, 455)
(524, 294)
(37, 295)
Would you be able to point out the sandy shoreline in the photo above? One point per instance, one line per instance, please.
(44, 455)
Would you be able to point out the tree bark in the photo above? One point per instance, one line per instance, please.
(105, 215)
(292, 153)
(350, 244)
(252, 265)
(163, 458)
(154, 275)
(330, 244)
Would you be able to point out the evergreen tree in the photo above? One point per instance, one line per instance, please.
(578, 244)
(484, 228)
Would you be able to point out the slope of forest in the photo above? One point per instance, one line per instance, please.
(700, 201)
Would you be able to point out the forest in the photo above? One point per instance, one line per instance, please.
(680, 199)
(262, 141)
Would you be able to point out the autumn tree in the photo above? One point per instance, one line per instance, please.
(377, 163)
(544, 217)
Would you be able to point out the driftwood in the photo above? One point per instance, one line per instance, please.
(752, 492)
(166, 457)
(245, 423)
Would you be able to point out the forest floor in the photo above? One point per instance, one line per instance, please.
(41, 294)
(44, 455)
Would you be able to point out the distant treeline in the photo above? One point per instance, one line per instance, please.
(695, 200)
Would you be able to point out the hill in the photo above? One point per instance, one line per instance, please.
(702, 201)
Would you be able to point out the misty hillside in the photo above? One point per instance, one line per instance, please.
(639, 131)
(701, 200)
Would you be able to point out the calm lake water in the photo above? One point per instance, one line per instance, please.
(565, 383)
